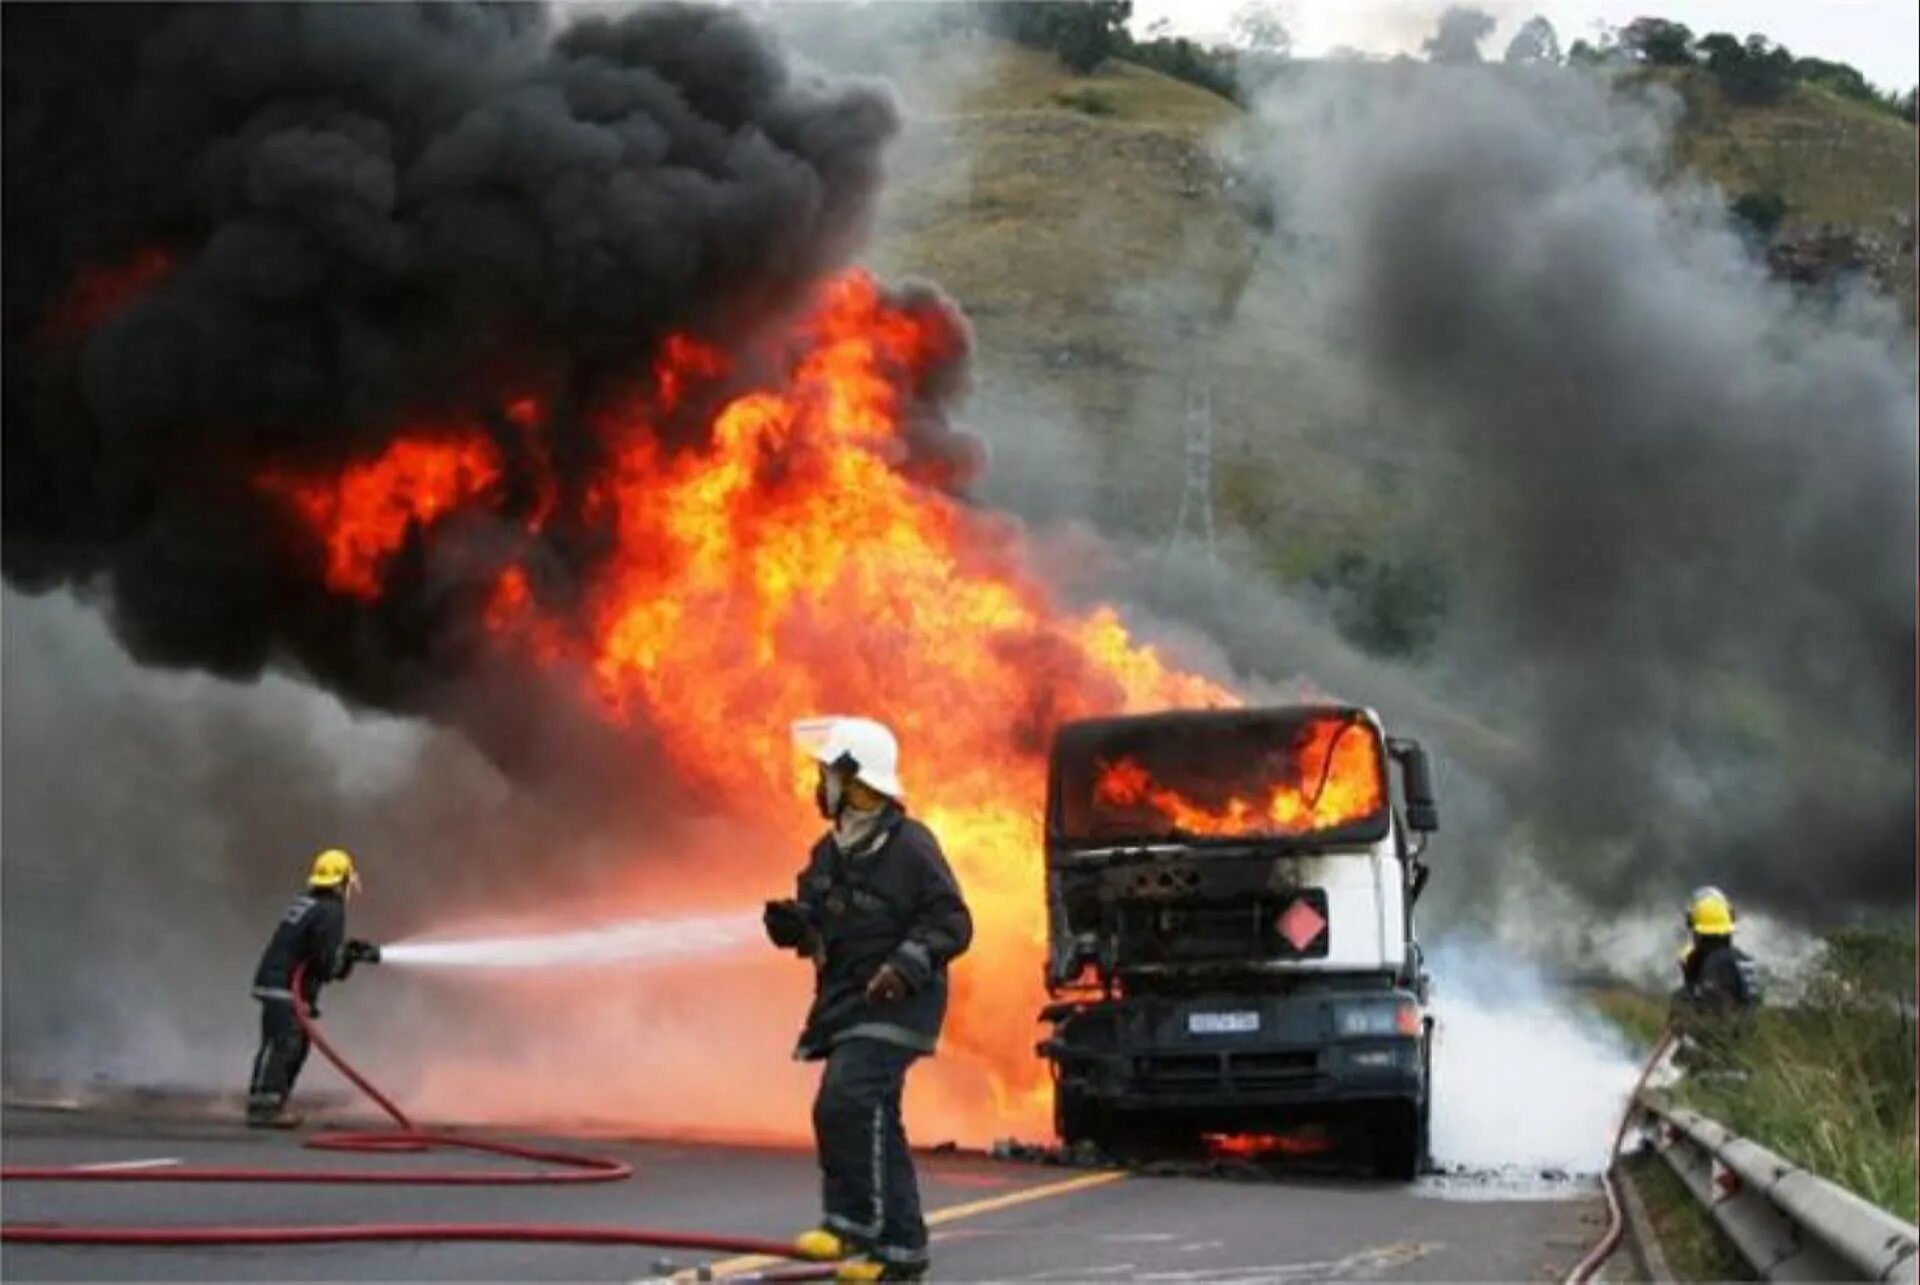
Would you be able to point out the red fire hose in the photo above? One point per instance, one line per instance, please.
(567, 1167)
(1616, 1214)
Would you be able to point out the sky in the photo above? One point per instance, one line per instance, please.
(1880, 37)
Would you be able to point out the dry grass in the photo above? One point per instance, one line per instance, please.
(1831, 159)
(1082, 244)
(1021, 79)
(1083, 225)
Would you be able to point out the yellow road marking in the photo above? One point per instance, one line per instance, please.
(938, 1218)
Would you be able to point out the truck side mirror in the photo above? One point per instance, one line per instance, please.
(1416, 782)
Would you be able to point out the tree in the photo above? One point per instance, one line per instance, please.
(1535, 42)
(1904, 104)
(1184, 60)
(1658, 42)
(1719, 50)
(1753, 71)
(1457, 39)
(1261, 27)
(1836, 77)
(1082, 32)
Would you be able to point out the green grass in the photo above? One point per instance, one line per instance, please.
(1639, 1016)
(1695, 1247)
(1828, 1081)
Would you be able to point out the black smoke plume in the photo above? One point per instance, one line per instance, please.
(1676, 499)
(250, 237)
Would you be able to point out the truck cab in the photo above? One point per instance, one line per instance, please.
(1231, 929)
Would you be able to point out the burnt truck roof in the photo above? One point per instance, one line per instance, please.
(1076, 820)
(1173, 719)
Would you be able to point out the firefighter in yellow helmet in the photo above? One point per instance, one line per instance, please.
(1719, 983)
(312, 931)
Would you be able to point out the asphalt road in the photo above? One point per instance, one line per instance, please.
(993, 1219)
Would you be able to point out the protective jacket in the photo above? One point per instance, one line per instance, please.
(1719, 976)
(312, 930)
(891, 900)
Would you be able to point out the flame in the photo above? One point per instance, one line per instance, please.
(100, 292)
(789, 566)
(1333, 780)
(1266, 1146)
(367, 511)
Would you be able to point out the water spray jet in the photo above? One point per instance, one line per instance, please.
(669, 940)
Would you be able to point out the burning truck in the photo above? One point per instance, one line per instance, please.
(1231, 929)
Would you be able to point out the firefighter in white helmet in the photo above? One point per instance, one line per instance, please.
(880, 915)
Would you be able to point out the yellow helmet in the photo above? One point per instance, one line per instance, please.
(1709, 913)
(332, 869)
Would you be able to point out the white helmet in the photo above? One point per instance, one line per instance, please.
(864, 746)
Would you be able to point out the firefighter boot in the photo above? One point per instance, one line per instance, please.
(823, 1245)
(265, 1111)
(871, 1268)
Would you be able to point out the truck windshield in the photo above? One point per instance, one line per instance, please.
(1220, 775)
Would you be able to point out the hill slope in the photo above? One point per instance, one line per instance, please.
(1090, 232)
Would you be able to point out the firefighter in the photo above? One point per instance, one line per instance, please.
(1719, 983)
(312, 931)
(880, 915)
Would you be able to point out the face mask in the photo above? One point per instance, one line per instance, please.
(828, 794)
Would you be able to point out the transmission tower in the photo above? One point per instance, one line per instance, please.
(1195, 519)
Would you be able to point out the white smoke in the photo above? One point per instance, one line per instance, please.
(1523, 1078)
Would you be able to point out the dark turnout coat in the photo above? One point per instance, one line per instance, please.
(312, 931)
(1720, 977)
(893, 900)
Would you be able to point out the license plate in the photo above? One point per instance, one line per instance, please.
(1222, 1023)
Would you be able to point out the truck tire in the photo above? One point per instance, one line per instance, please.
(1426, 1098)
(1076, 1120)
(1397, 1139)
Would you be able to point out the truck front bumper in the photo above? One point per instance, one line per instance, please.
(1143, 1055)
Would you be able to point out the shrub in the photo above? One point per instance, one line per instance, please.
(1089, 101)
(1760, 211)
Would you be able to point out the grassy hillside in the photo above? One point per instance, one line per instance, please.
(1056, 208)
(1832, 159)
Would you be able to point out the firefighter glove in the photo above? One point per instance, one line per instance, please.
(787, 925)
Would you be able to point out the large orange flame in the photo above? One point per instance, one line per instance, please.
(1332, 779)
(364, 514)
(789, 566)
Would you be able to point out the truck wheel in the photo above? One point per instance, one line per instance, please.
(1426, 1101)
(1076, 1120)
(1397, 1138)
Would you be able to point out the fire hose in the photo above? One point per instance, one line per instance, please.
(1609, 1240)
(563, 1167)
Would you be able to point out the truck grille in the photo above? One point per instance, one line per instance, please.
(1273, 1070)
(1187, 1072)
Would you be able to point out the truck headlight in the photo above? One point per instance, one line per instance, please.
(1397, 1018)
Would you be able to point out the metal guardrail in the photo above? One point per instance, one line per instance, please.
(1789, 1224)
